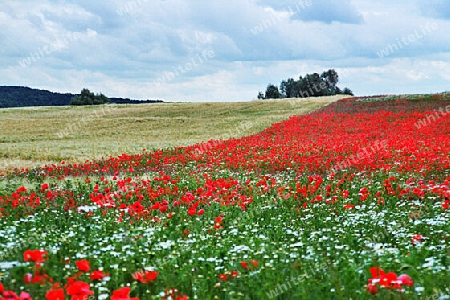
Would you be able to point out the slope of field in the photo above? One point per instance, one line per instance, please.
(38, 135)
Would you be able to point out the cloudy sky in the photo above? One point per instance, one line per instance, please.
(223, 50)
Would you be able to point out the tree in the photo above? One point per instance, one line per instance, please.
(300, 88)
(312, 85)
(347, 91)
(331, 78)
(101, 99)
(76, 100)
(88, 98)
(287, 87)
(272, 92)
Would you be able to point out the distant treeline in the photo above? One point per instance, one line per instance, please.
(19, 96)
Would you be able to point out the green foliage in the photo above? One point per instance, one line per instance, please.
(287, 87)
(88, 98)
(312, 85)
(347, 91)
(331, 78)
(272, 92)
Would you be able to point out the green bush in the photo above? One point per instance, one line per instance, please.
(88, 98)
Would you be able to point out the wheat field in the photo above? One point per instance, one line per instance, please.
(34, 136)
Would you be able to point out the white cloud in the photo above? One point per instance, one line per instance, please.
(254, 43)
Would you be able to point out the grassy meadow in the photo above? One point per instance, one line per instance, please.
(33, 136)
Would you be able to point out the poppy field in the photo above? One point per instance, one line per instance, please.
(350, 201)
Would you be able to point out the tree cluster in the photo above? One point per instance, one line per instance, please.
(88, 98)
(311, 85)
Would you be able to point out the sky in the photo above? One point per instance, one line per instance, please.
(203, 50)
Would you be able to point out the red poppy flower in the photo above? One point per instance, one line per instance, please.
(157, 205)
(57, 294)
(345, 193)
(137, 207)
(173, 294)
(24, 296)
(387, 280)
(373, 289)
(417, 239)
(348, 206)
(34, 255)
(122, 294)
(145, 276)
(44, 186)
(244, 265)
(254, 262)
(21, 189)
(446, 204)
(406, 280)
(79, 288)
(218, 226)
(10, 295)
(27, 278)
(39, 276)
(223, 277)
(13, 296)
(83, 265)
(97, 275)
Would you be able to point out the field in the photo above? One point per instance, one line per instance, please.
(350, 201)
(46, 135)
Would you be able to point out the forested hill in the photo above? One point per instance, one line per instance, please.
(18, 96)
